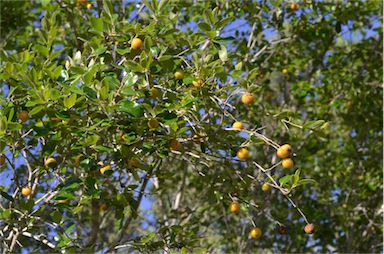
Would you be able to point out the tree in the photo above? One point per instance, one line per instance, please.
(117, 126)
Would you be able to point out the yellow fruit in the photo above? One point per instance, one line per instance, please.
(50, 161)
(153, 123)
(26, 191)
(133, 163)
(175, 145)
(284, 151)
(179, 74)
(285, 71)
(77, 160)
(136, 43)
(255, 233)
(89, 6)
(309, 228)
(234, 207)
(106, 168)
(2, 160)
(287, 163)
(294, 6)
(63, 201)
(243, 154)
(23, 116)
(197, 83)
(266, 187)
(238, 125)
(247, 98)
(155, 92)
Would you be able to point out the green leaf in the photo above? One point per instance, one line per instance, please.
(131, 108)
(97, 23)
(204, 26)
(306, 181)
(223, 54)
(222, 23)
(285, 179)
(313, 124)
(70, 101)
(6, 195)
(36, 110)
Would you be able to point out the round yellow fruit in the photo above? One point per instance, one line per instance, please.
(197, 83)
(175, 145)
(285, 71)
(247, 98)
(255, 233)
(234, 207)
(266, 187)
(153, 123)
(50, 161)
(284, 151)
(294, 6)
(23, 116)
(2, 160)
(238, 125)
(243, 154)
(309, 228)
(89, 6)
(136, 43)
(287, 163)
(26, 191)
(155, 92)
(179, 74)
(105, 169)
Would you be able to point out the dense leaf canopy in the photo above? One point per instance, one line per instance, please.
(117, 126)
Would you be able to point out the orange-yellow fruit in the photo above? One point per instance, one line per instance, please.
(234, 207)
(23, 116)
(153, 123)
(2, 160)
(349, 104)
(63, 201)
(243, 154)
(284, 151)
(175, 145)
(266, 187)
(89, 6)
(247, 98)
(136, 43)
(238, 125)
(133, 163)
(26, 191)
(50, 161)
(285, 71)
(287, 163)
(105, 169)
(294, 6)
(309, 228)
(197, 83)
(255, 233)
(179, 74)
(155, 92)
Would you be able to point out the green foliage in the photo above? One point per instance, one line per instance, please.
(315, 76)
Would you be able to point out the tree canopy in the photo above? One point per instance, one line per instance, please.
(191, 126)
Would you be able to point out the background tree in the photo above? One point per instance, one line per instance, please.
(155, 125)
